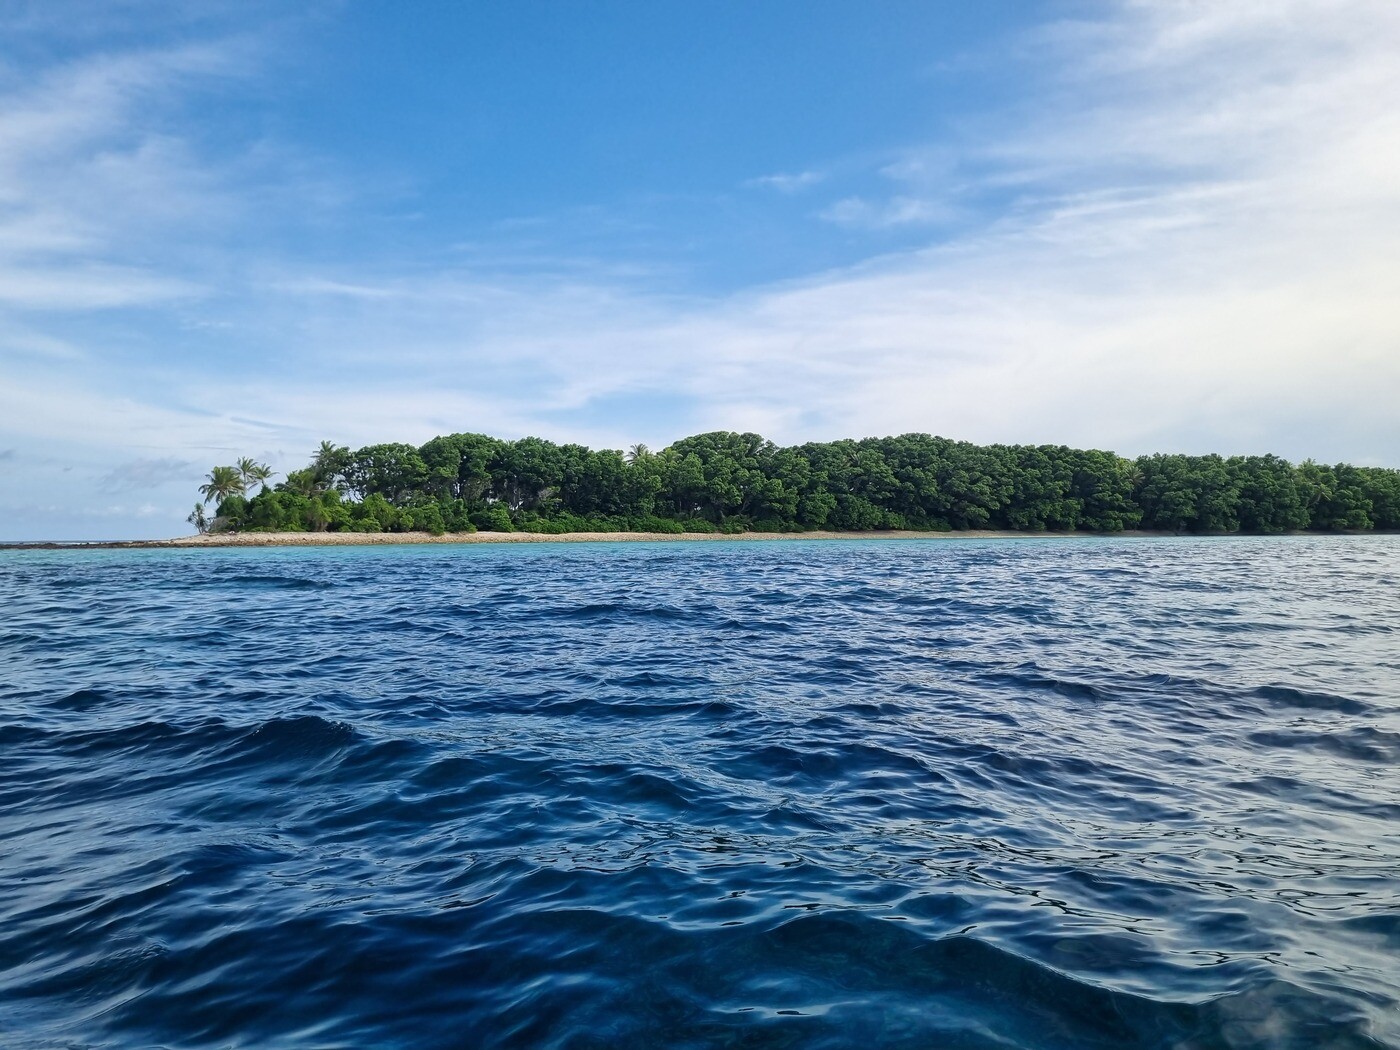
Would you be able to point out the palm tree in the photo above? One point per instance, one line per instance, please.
(328, 461)
(638, 451)
(223, 482)
(304, 483)
(253, 473)
(198, 520)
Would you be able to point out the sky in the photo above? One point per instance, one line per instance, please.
(241, 228)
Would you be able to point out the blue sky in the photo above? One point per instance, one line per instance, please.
(227, 229)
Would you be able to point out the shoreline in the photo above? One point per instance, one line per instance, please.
(373, 539)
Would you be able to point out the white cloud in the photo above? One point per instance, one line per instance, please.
(87, 287)
(85, 172)
(897, 211)
(787, 183)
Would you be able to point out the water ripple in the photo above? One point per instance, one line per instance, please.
(1033, 794)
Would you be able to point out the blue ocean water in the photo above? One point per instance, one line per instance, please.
(1035, 793)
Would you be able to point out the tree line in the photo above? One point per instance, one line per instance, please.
(727, 482)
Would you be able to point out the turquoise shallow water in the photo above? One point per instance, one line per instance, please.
(1061, 793)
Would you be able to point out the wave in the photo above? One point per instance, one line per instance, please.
(1037, 796)
(255, 582)
(1310, 700)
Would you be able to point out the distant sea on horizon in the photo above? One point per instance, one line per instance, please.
(1034, 793)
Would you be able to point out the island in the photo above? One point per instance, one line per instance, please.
(724, 484)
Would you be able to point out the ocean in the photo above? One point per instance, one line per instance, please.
(1065, 793)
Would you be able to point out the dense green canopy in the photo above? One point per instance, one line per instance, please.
(740, 482)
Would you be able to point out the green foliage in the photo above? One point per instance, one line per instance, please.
(391, 472)
(231, 510)
(375, 514)
(424, 517)
(328, 466)
(724, 482)
(278, 511)
(1188, 493)
(495, 518)
(1337, 497)
(303, 482)
(651, 523)
(1383, 489)
(1269, 495)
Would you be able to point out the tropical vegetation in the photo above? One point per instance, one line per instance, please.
(727, 482)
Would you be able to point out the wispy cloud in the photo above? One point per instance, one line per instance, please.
(142, 474)
(896, 211)
(787, 183)
(87, 174)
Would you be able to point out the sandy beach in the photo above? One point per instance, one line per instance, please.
(370, 539)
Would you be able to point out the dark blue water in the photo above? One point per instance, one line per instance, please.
(1065, 793)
